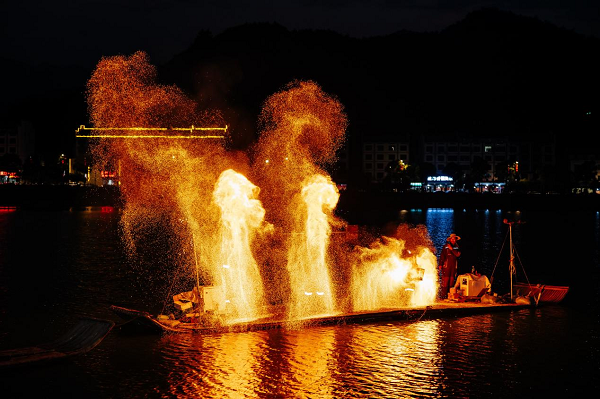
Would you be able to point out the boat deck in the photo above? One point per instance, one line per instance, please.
(277, 320)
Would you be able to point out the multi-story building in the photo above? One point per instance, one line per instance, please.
(17, 139)
(378, 152)
(461, 152)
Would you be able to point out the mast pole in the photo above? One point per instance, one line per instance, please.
(511, 261)
(196, 260)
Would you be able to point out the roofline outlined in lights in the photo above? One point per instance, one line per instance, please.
(190, 129)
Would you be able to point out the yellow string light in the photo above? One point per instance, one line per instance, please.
(191, 129)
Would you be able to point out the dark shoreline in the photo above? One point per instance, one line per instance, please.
(351, 202)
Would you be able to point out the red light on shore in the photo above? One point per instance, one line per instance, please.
(8, 209)
(107, 209)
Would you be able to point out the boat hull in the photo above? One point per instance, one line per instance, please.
(543, 293)
(436, 311)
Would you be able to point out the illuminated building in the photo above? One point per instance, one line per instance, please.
(379, 152)
(112, 177)
(17, 139)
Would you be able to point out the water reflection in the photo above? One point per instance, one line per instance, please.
(429, 358)
(75, 268)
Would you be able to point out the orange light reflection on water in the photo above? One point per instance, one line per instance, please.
(394, 360)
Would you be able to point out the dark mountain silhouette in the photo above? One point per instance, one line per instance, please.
(493, 73)
(51, 97)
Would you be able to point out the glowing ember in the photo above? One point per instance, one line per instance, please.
(386, 275)
(307, 257)
(235, 268)
(198, 195)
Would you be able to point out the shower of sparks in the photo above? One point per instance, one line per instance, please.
(261, 224)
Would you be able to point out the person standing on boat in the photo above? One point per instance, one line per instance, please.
(448, 263)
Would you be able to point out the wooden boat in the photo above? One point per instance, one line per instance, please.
(520, 296)
(544, 293)
(83, 337)
(140, 319)
(540, 293)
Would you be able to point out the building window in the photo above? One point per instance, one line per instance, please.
(452, 148)
(487, 148)
(465, 148)
(429, 148)
(379, 148)
(465, 158)
(441, 158)
(380, 157)
(391, 157)
(369, 165)
(403, 157)
(499, 158)
(379, 166)
(12, 140)
(452, 158)
(391, 148)
(368, 157)
(441, 148)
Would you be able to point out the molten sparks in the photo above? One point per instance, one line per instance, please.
(386, 275)
(241, 216)
(205, 200)
(307, 257)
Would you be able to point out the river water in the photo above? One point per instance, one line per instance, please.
(56, 266)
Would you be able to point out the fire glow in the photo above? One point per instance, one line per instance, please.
(261, 223)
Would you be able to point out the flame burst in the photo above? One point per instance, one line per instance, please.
(201, 198)
(241, 216)
(307, 257)
(302, 129)
(384, 277)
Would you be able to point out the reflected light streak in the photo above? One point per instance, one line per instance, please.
(404, 358)
(311, 352)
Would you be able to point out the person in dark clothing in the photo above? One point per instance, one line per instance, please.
(448, 263)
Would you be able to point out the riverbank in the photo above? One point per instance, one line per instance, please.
(351, 202)
(56, 197)
(354, 201)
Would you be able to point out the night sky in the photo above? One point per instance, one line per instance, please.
(50, 48)
(62, 32)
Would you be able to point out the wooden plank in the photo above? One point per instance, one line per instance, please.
(439, 310)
